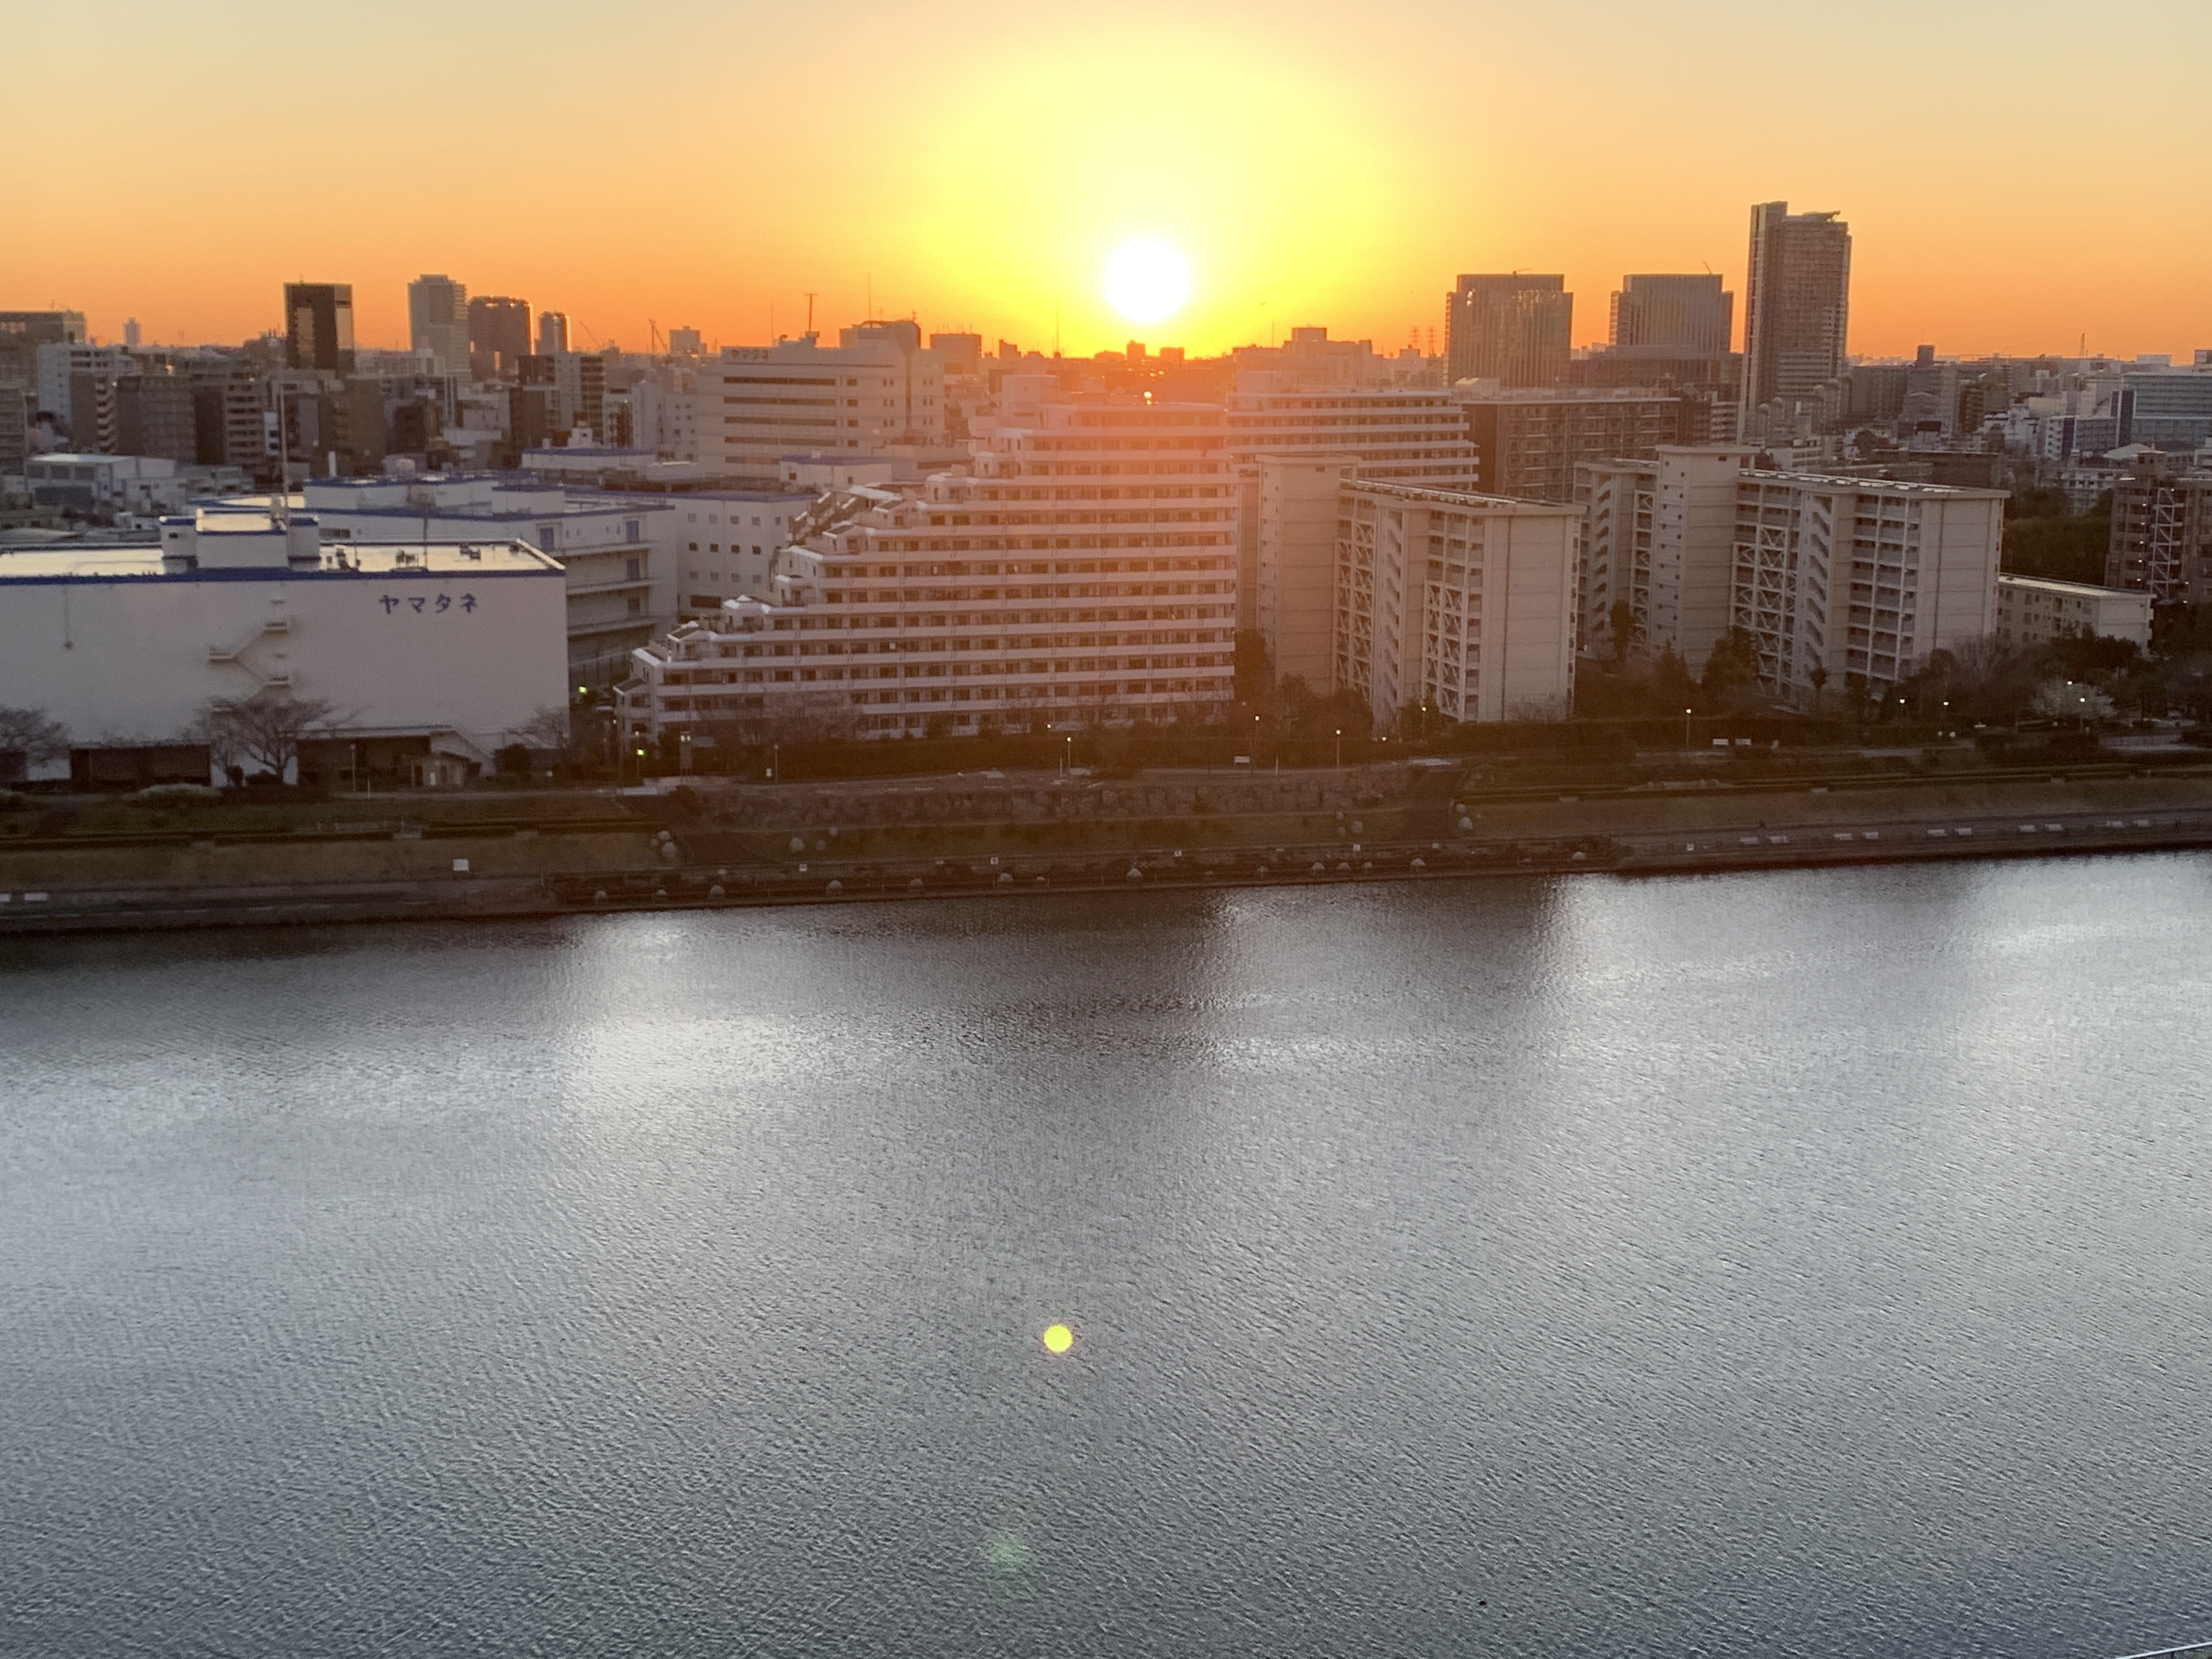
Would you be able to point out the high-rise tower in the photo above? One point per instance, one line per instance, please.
(438, 322)
(1796, 307)
(318, 327)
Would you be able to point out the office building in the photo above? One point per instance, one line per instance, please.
(2161, 534)
(1082, 572)
(438, 323)
(2170, 409)
(1796, 303)
(1514, 330)
(1690, 316)
(152, 414)
(1528, 443)
(229, 428)
(62, 367)
(1454, 605)
(15, 426)
(2034, 611)
(499, 336)
(684, 341)
(876, 389)
(958, 354)
(318, 327)
(552, 333)
(431, 657)
(1399, 436)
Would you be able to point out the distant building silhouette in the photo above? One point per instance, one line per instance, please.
(1512, 329)
(1796, 307)
(438, 322)
(499, 336)
(1687, 314)
(318, 327)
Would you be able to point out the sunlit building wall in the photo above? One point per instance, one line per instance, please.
(1082, 572)
(1455, 604)
(1402, 436)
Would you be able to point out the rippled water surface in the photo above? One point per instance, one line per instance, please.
(1772, 1264)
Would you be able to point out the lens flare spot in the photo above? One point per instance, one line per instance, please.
(1147, 280)
(1057, 1339)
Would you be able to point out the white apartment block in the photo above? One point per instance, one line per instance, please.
(2034, 611)
(1398, 437)
(443, 651)
(1837, 577)
(1082, 572)
(1617, 500)
(1458, 603)
(1834, 577)
(1294, 606)
(727, 542)
(755, 404)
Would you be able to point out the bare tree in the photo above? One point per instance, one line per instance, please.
(29, 738)
(263, 731)
(548, 728)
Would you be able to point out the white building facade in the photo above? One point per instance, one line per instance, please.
(755, 404)
(619, 555)
(1459, 605)
(2033, 610)
(453, 649)
(1834, 578)
(1082, 572)
(1400, 437)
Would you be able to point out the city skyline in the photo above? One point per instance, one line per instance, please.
(1305, 185)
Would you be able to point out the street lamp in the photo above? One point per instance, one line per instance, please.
(1686, 728)
(1340, 749)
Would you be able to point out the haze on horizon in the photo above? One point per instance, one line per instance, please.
(2009, 169)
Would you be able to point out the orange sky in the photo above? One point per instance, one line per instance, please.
(2016, 173)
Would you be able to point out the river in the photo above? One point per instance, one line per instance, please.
(1806, 1262)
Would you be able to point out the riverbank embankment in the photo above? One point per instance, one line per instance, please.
(766, 845)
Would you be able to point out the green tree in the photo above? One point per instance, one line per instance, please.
(1733, 663)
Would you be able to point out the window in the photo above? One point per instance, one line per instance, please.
(634, 570)
(633, 530)
(547, 536)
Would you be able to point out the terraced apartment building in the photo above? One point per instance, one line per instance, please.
(1082, 572)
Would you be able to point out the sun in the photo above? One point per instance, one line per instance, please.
(1147, 280)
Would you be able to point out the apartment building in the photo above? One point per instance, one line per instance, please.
(1084, 571)
(1844, 577)
(1401, 436)
(2034, 611)
(1458, 604)
(2161, 535)
(1833, 577)
(1529, 442)
(1294, 608)
(1618, 500)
